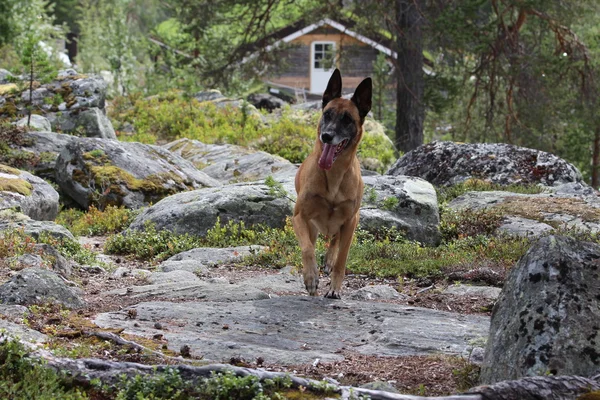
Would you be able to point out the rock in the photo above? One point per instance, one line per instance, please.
(94, 123)
(297, 329)
(129, 174)
(546, 319)
(448, 163)
(14, 220)
(379, 385)
(5, 76)
(550, 210)
(44, 256)
(524, 227)
(198, 260)
(122, 272)
(37, 123)
(60, 100)
(42, 149)
(192, 290)
(27, 193)
(196, 212)
(266, 101)
(21, 332)
(13, 311)
(407, 203)
(209, 95)
(488, 292)
(176, 276)
(230, 163)
(37, 286)
(375, 292)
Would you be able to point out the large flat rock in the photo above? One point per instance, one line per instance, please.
(295, 329)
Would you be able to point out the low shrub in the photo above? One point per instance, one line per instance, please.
(95, 222)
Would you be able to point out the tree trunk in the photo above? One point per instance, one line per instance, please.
(410, 111)
(71, 46)
(596, 157)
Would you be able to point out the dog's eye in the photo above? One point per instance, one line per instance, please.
(346, 119)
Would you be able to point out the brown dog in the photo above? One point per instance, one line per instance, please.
(329, 184)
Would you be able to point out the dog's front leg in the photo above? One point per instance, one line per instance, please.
(339, 268)
(307, 237)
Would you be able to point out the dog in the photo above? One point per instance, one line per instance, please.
(329, 184)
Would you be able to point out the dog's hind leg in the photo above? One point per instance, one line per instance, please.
(307, 237)
(339, 268)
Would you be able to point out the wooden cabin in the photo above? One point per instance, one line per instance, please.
(314, 50)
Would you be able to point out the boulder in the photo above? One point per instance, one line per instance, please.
(376, 292)
(407, 203)
(197, 211)
(28, 194)
(10, 219)
(93, 123)
(60, 100)
(5, 76)
(230, 163)
(487, 292)
(449, 163)
(42, 149)
(546, 318)
(37, 123)
(266, 101)
(536, 214)
(198, 260)
(97, 171)
(38, 286)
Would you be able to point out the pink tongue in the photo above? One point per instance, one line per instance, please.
(326, 160)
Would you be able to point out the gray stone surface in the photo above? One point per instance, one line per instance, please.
(546, 319)
(414, 210)
(488, 292)
(448, 163)
(375, 292)
(22, 332)
(130, 174)
(176, 276)
(15, 220)
(201, 258)
(40, 204)
(14, 311)
(36, 286)
(229, 163)
(44, 148)
(292, 330)
(196, 212)
(94, 123)
(524, 227)
(550, 210)
(192, 290)
(37, 122)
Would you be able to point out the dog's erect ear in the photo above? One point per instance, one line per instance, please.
(362, 97)
(334, 87)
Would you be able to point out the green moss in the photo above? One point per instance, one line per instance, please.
(447, 194)
(16, 186)
(5, 169)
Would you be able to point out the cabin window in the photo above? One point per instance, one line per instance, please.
(323, 55)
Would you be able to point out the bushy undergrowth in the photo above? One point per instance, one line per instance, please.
(449, 193)
(15, 243)
(23, 377)
(95, 222)
(171, 116)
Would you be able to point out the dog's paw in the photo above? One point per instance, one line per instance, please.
(312, 284)
(332, 294)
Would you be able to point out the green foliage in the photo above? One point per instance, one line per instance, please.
(291, 135)
(150, 244)
(25, 378)
(14, 243)
(94, 222)
(70, 249)
(464, 223)
(276, 189)
(448, 193)
(166, 385)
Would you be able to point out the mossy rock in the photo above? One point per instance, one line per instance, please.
(15, 185)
